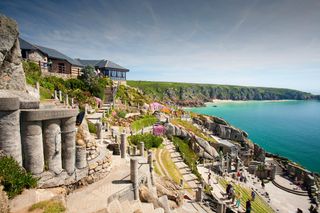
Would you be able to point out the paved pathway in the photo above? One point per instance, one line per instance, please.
(186, 173)
(94, 196)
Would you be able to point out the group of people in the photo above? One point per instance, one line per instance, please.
(236, 196)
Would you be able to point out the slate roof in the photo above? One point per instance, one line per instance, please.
(51, 53)
(102, 64)
(26, 45)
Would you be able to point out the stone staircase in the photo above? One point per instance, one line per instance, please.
(132, 206)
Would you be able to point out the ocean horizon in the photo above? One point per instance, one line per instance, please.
(288, 128)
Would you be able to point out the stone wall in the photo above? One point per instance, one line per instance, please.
(11, 71)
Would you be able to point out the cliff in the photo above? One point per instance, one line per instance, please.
(189, 94)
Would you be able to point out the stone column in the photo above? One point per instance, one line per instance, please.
(221, 208)
(33, 157)
(10, 139)
(181, 183)
(150, 162)
(141, 149)
(134, 177)
(81, 157)
(123, 145)
(199, 195)
(72, 102)
(86, 109)
(134, 150)
(60, 95)
(52, 145)
(99, 130)
(55, 95)
(67, 100)
(68, 144)
(107, 127)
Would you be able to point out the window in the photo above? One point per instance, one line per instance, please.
(61, 68)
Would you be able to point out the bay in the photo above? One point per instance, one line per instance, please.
(288, 128)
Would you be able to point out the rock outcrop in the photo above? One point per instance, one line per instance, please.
(11, 71)
(4, 202)
(200, 146)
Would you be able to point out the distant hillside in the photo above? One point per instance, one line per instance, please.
(197, 94)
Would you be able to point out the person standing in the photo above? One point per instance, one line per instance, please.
(253, 195)
(248, 206)
(238, 199)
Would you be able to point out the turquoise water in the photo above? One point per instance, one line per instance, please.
(290, 128)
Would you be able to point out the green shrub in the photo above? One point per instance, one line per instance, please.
(92, 127)
(188, 155)
(45, 93)
(14, 178)
(32, 72)
(74, 83)
(147, 120)
(121, 114)
(150, 140)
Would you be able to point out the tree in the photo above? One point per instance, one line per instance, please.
(88, 75)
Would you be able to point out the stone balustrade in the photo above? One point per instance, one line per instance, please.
(39, 137)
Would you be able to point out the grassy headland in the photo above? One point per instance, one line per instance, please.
(177, 92)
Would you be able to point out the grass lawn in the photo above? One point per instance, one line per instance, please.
(258, 205)
(145, 121)
(191, 128)
(170, 166)
(48, 206)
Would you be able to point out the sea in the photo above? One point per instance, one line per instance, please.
(288, 128)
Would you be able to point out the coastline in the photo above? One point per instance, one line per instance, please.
(246, 101)
(269, 151)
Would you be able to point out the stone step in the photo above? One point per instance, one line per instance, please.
(147, 207)
(135, 205)
(159, 210)
(115, 207)
(126, 205)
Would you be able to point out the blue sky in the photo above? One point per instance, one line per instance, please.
(241, 42)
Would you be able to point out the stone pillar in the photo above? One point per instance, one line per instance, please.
(38, 87)
(68, 144)
(221, 208)
(150, 162)
(67, 100)
(99, 130)
(33, 157)
(86, 109)
(141, 149)
(52, 145)
(181, 183)
(10, 139)
(60, 95)
(123, 145)
(134, 150)
(107, 127)
(199, 195)
(134, 177)
(81, 157)
(55, 95)
(273, 171)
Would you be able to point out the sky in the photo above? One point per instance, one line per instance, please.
(274, 43)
